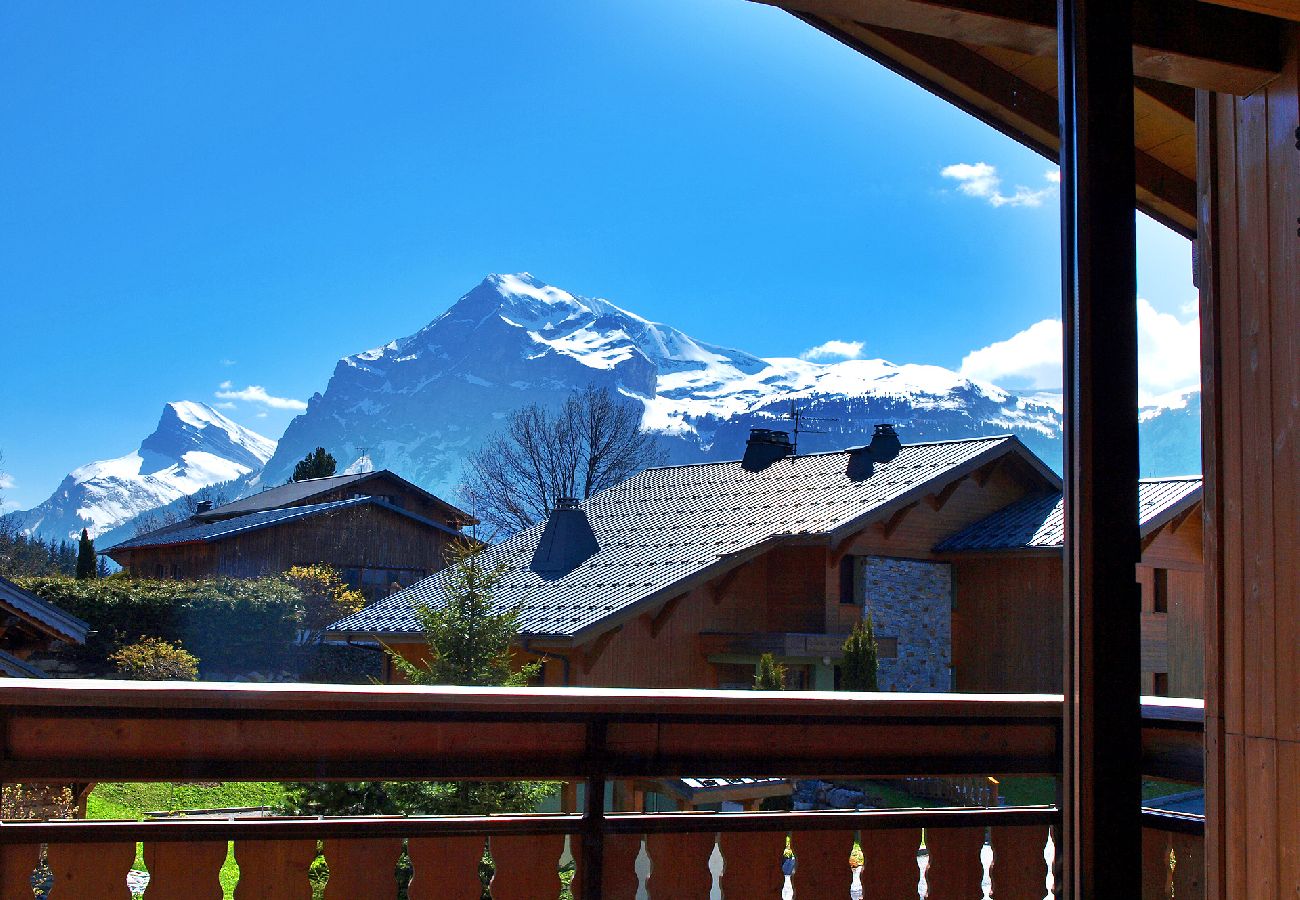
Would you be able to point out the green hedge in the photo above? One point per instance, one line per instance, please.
(230, 624)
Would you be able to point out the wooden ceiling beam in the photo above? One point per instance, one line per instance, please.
(1184, 42)
(998, 98)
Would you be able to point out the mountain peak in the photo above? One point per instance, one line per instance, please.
(186, 426)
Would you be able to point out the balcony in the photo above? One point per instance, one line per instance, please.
(100, 731)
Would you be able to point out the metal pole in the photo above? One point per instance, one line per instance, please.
(1102, 760)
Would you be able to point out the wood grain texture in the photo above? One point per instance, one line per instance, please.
(822, 859)
(445, 868)
(185, 871)
(274, 870)
(17, 862)
(680, 864)
(364, 867)
(91, 871)
(753, 864)
(528, 866)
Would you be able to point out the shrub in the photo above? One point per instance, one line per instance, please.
(326, 597)
(232, 625)
(153, 659)
(860, 668)
(770, 675)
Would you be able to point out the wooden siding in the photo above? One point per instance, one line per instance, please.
(368, 536)
(1249, 190)
(1176, 551)
(1006, 623)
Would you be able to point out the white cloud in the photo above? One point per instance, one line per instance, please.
(7, 481)
(1028, 360)
(1053, 175)
(255, 393)
(262, 414)
(227, 362)
(834, 350)
(226, 404)
(982, 180)
(1168, 356)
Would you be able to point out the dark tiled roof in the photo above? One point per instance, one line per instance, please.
(192, 530)
(1039, 522)
(13, 667)
(28, 605)
(298, 491)
(664, 529)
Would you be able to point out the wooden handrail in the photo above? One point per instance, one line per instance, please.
(104, 730)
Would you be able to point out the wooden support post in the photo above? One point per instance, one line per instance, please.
(593, 818)
(1103, 754)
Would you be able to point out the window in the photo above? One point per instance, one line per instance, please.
(848, 579)
(1161, 684)
(1160, 591)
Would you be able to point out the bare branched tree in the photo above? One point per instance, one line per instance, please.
(592, 442)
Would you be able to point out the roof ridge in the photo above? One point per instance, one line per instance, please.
(728, 462)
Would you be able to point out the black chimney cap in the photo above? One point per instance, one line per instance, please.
(764, 447)
(203, 506)
(567, 541)
(884, 447)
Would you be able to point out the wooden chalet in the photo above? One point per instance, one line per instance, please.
(954, 547)
(1187, 109)
(376, 528)
(1007, 569)
(681, 577)
(31, 625)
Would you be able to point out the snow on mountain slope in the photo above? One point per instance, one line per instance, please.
(193, 447)
(421, 404)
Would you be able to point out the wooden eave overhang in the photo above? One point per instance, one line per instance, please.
(996, 60)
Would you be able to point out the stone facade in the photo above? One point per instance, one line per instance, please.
(910, 600)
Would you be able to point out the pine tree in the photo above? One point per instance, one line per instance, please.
(86, 556)
(861, 658)
(771, 674)
(469, 643)
(317, 464)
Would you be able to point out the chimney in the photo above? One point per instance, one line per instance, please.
(203, 506)
(765, 447)
(883, 448)
(567, 541)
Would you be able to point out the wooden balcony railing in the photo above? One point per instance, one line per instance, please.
(98, 731)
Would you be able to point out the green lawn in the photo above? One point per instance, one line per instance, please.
(118, 800)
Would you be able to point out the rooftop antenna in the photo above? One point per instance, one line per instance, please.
(799, 417)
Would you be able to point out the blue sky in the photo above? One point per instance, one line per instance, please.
(196, 194)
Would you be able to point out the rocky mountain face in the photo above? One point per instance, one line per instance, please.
(193, 447)
(421, 404)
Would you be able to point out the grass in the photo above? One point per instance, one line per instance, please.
(126, 800)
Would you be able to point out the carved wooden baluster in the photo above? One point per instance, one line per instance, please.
(1049, 857)
(361, 867)
(91, 871)
(752, 864)
(643, 868)
(18, 865)
(274, 870)
(445, 868)
(856, 859)
(717, 867)
(618, 868)
(922, 866)
(679, 865)
(527, 866)
(183, 870)
(986, 863)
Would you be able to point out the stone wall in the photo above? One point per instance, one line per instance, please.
(911, 600)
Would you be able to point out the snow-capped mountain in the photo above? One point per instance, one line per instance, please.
(421, 404)
(193, 447)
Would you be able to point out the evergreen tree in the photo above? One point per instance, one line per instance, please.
(469, 644)
(771, 674)
(861, 658)
(317, 464)
(86, 556)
